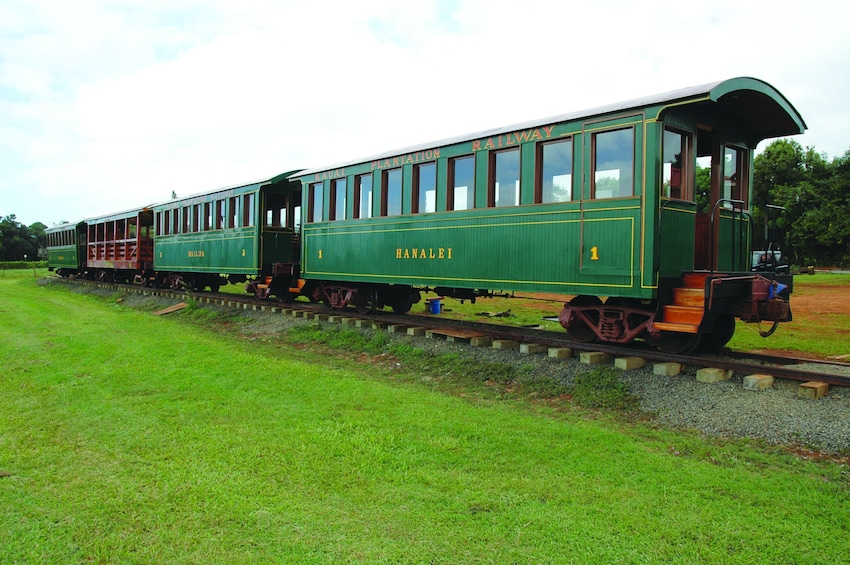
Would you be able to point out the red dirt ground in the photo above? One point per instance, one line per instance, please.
(813, 300)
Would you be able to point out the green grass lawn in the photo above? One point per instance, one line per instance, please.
(131, 438)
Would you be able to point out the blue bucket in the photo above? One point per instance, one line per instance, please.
(434, 305)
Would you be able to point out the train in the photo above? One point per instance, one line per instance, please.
(601, 206)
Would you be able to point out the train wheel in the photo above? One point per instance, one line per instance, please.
(579, 330)
(365, 300)
(678, 343)
(724, 329)
(401, 304)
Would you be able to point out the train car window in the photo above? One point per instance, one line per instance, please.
(316, 202)
(131, 228)
(734, 174)
(613, 163)
(248, 210)
(338, 190)
(363, 196)
(219, 214)
(461, 187)
(275, 210)
(675, 165)
(233, 216)
(391, 194)
(296, 218)
(197, 218)
(554, 181)
(187, 220)
(175, 221)
(503, 189)
(208, 219)
(425, 188)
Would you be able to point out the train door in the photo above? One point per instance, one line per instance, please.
(82, 246)
(674, 249)
(723, 222)
(281, 223)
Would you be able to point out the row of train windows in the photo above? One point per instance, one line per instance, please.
(678, 161)
(225, 213)
(613, 162)
(117, 230)
(62, 238)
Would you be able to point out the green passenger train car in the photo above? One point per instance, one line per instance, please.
(234, 234)
(602, 205)
(66, 248)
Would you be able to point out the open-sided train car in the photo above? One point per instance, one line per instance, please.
(600, 204)
(119, 247)
(236, 234)
(66, 249)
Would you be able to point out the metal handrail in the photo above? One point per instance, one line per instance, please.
(737, 205)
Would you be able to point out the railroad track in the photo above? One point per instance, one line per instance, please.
(783, 367)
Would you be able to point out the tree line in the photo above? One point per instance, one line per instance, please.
(19, 241)
(814, 228)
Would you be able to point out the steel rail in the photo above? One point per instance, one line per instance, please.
(782, 367)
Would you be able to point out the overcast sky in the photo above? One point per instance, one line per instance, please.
(110, 105)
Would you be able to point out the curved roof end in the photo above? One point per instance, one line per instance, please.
(759, 106)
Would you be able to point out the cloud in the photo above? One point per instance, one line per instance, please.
(109, 105)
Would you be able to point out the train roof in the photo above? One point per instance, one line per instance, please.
(64, 227)
(248, 185)
(132, 212)
(762, 109)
